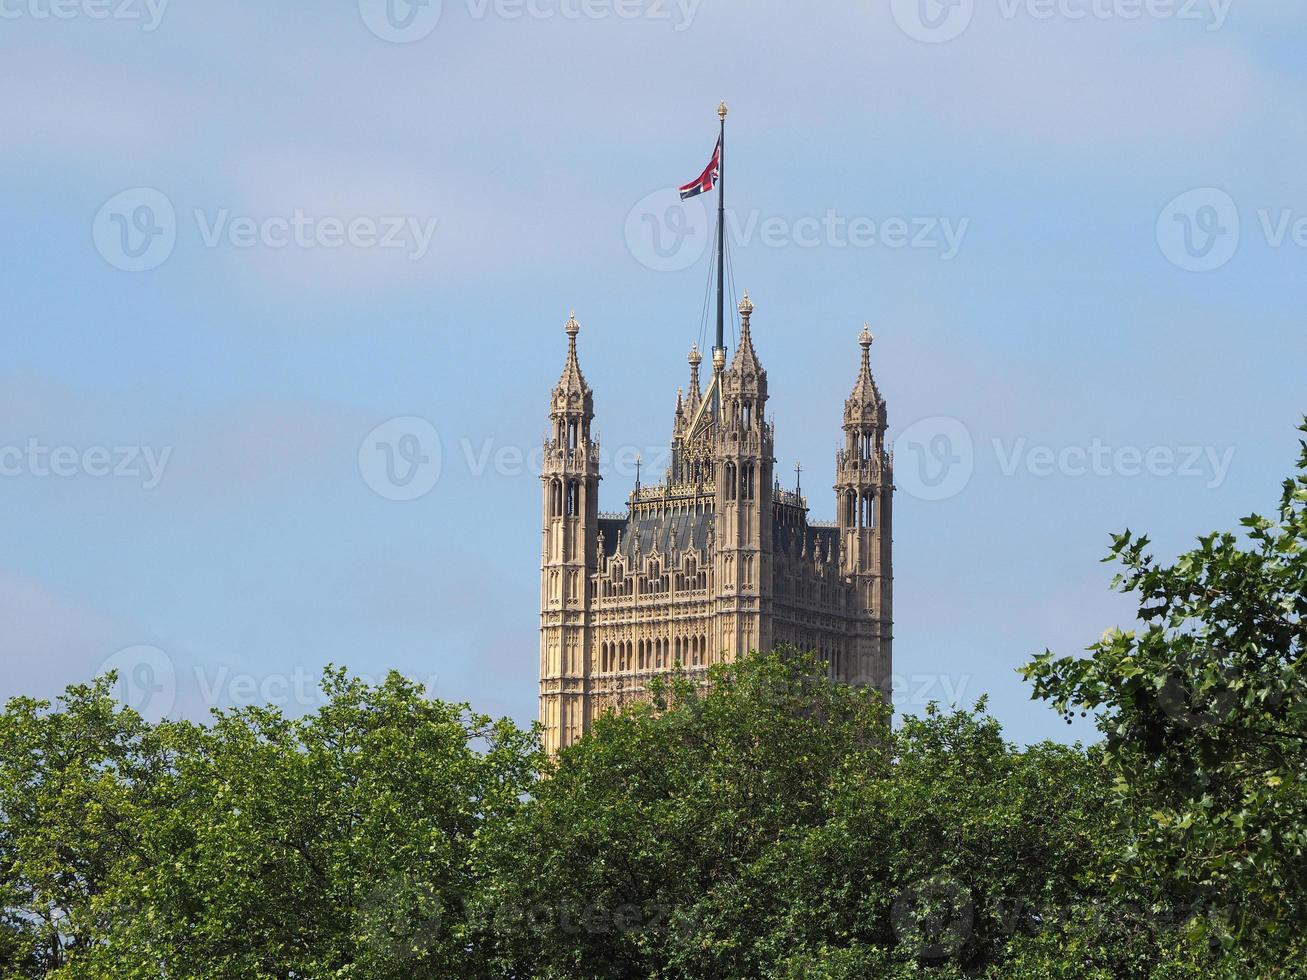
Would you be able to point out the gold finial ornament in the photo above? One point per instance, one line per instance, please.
(866, 337)
(746, 305)
(695, 357)
(718, 358)
(572, 328)
(721, 112)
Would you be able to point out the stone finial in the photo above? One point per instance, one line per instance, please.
(746, 306)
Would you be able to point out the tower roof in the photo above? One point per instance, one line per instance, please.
(746, 360)
(572, 392)
(864, 402)
(572, 378)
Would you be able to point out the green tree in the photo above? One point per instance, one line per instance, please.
(341, 844)
(772, 824)
(76, 785)
(1204, 719)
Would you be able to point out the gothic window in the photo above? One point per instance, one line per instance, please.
(729, 477)
(747, 482)
(869, 509)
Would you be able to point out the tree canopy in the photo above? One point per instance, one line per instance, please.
(768, 823)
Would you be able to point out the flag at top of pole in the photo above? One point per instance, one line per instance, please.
(707, 180)
(713, 177)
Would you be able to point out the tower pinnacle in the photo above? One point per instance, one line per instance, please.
(695, 360)
(572, 381)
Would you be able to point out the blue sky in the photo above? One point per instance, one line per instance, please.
(1086, 365)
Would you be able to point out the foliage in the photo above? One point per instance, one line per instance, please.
(766, 823)
(1205, 725)
(342, 844)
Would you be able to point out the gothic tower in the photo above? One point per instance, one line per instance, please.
(743, 459)
(570, 478)
(864, 485)
(717, 560)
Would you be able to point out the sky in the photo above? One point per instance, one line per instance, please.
(284, 288)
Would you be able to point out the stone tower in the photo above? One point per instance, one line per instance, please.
(570, 476)
(743, 458)
(864, 490)
(717, 559)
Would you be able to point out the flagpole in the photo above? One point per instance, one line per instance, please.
(719, 352)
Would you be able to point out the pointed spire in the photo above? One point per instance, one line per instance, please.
(695, 359)
(864, 389)
(745, 356)
(572, 380)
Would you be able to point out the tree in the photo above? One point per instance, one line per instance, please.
(76, 785)
(772, 824)
(1204, 719)
(341, 844)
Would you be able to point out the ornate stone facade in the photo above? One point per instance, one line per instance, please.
(717, 560)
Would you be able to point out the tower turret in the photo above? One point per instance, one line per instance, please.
(569, 551)
(864, 489)
(743, 458)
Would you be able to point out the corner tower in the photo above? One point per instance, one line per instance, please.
(864, 490)
(570, 479)
(743, 460)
